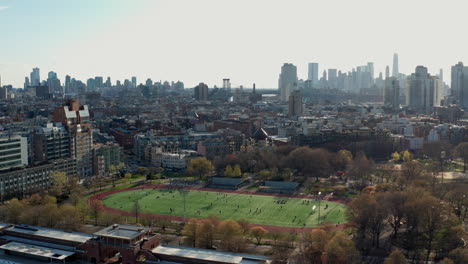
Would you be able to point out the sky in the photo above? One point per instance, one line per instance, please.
(207, 40)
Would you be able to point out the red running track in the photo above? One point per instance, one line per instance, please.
(99, 197)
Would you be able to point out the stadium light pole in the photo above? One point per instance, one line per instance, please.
(184, 194)
(318, 220)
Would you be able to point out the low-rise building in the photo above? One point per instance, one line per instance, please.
(23, 181)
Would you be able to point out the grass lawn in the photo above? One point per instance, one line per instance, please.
(258, 209)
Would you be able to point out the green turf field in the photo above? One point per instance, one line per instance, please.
(258, 209)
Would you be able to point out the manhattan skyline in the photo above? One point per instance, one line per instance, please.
(205, 41)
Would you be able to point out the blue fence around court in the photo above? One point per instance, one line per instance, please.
(226, 183)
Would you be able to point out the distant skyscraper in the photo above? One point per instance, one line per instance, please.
(201, 92)
(392, 92)
(313, 73)
(54, 84)
(67, 84)
(457, 79)
(421, 90)
(460, 84)
(3, 92)
(227, 84)
(295, 108)
(134, 82)
(287, 81)
(35, 77)
(149, 82)
(387, 72)
(441, 74)
(51, 75)
(395, 72)
(99, 82)
(90, 85)
(26, 83)
(370, 66)
(438, 86)
(332, 78)
(108, 82)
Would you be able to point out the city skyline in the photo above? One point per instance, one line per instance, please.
(246, 44)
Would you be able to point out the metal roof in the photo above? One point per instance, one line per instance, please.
(37, 251)
(51, 233)
(209, 255)
(122, 231)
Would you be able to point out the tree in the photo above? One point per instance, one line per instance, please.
(361, 168)
(190, 231)
(459, 199)
(407, 156)
(59, 180)
(309, 162)
(258, 233)
(206, 230)
(395, 202)
(313, 246)
(244, 224)
(368, 214)
(108, 219)
(264, 175)
(14, 209)
(200, 166)
(341, 249)
(396, 157)
(462, 152)
(346, 155)
(459, 255)
(396, 257)
(228, 171)
(275, 235)
(49, 216)
(142, 171)
(230, 234)
(72, 185)
(237, 171)
(410, 171)
(69, 219)
(95, 208)
(447, 261)
(434, 149)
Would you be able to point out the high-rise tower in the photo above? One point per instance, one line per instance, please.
(287, 81)
(35, 77)
(75, 118)
(392, 92)
(295, 108)
(313, 73)
(395, 72)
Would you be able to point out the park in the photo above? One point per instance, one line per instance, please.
(270, 210)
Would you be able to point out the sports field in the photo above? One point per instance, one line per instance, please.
(257, 209)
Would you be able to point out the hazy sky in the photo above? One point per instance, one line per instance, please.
(207, 40)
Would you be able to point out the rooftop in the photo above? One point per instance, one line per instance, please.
(122, 231)
(209, 255)
(51, 233)
(37, 251)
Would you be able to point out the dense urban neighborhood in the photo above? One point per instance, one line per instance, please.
(233, 132)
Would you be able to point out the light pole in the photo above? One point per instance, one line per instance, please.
(319, 199)
(184, 194)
